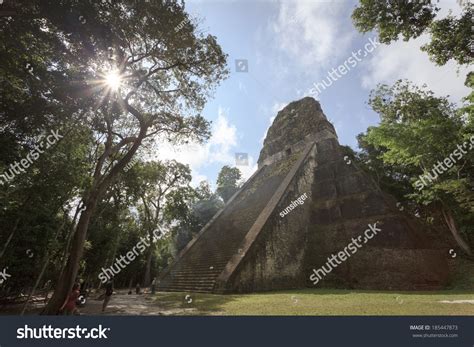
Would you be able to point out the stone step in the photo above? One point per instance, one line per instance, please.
(202, 263)
(201, 272)
(194, 280)
(210, 253)
(186, 276)
(180, 290)
(193, 269)
(190, 283)
(207, 277)
(197, 275)
(199, 255)
(190, 287)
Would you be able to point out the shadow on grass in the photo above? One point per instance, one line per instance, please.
(204, 304)
(215, 304)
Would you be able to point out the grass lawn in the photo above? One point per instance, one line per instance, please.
(322, 302)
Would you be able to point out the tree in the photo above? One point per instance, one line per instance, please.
(125, 75)
(450, 37)
(33, 103)
(36, 205)
(416, 135)
(157, 180)
(188, 210)
(392, 18)
(206, 205)
(113, 227)
(227, 182)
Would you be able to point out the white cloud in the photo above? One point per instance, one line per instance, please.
(216, 150)
(311, 31)
(195, 155)
(449, 7)
(219, 149)
(198, 178)
(319, 34)
(223, 139)
(405, 60)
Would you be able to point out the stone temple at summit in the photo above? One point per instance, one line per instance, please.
(250, 245)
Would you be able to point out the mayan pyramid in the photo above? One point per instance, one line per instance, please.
(253, 245)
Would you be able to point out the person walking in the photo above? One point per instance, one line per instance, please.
(109, 290)
(153, 286)
(69, 307)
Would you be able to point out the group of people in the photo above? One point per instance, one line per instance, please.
(70, 305)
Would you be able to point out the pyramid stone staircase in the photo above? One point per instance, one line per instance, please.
(250, 246)
(201, 262)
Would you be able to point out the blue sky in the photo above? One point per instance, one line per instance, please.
(289, 46)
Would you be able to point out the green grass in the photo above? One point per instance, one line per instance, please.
(321, 302)
(333, 302)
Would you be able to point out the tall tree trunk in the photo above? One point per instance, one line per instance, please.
(449, 219)
(65, 252)
(43, 269)
(101, 183)
(151, 251)
(147, 279)
(15, 226)
(69, 274)
(32, 292)
(116, 248)
(10, 237)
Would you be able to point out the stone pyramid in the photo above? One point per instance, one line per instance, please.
(303, 206)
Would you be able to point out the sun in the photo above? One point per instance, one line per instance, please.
(113, 80)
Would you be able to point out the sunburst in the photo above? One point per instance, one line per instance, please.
(113, 80)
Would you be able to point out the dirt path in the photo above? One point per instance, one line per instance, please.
(131, 305)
